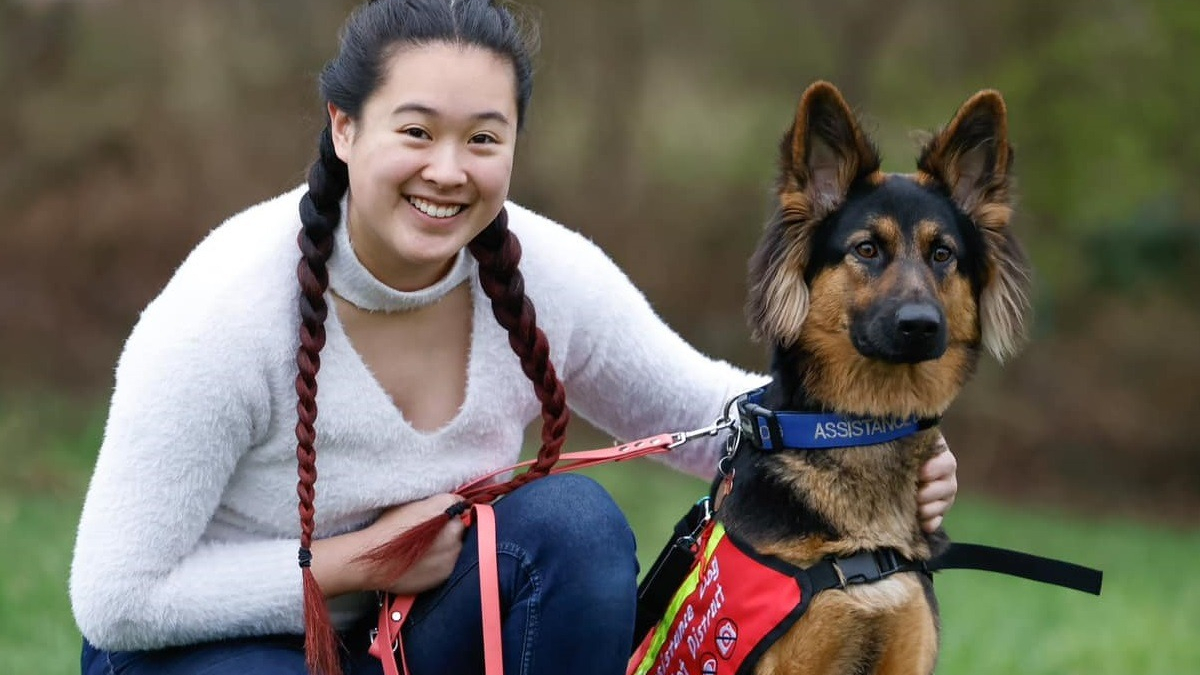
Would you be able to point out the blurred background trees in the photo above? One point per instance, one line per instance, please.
(132, 127)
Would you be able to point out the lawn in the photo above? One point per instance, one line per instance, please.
(1145, 622)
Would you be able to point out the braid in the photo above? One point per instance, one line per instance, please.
(320, 214)
(498, 252)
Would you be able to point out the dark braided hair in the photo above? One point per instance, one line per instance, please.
(371, 35)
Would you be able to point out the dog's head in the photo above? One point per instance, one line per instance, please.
(890, 284)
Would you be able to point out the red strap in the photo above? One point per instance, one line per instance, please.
(387, 645)
(489, 590)
(571, 461)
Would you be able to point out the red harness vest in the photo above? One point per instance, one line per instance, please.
(733, 605)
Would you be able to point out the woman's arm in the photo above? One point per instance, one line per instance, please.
(624, 369)
(188, 403)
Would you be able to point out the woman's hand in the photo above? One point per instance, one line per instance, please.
(338, 569)
(938, 486)
(438, 562)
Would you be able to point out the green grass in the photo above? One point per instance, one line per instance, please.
(46, 451)
(1145, 623)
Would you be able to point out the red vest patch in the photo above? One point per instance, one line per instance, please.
(730, 609)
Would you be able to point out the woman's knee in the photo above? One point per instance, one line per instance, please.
(569, 511)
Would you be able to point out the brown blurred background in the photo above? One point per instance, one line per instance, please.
(129, 128)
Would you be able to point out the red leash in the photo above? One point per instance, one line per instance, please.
(385, 639)
(386, 644)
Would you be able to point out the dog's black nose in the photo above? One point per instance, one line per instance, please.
(918, 321)
(920, 332)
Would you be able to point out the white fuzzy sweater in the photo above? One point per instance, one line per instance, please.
(189, 531)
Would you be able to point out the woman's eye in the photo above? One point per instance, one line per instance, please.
(416, 132)
(942, 254)
(866, 250)
(484, 138)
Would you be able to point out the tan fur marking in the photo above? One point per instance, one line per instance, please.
(926, 236)
(962, 321)
(924, 179)
(889, 233)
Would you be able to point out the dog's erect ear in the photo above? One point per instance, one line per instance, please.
(972, 159)
(824, 152)
(822, 155)
(971, 156)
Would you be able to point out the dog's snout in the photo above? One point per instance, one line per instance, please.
(918, 321)
(920, 331)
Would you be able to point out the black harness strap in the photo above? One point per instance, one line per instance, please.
(667, 573)
(870, 566)
(1018, 564)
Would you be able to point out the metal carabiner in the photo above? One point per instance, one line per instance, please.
(679, 438)
(727, 420)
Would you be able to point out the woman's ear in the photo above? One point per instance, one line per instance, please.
(342, 128)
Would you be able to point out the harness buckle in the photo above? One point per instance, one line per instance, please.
(866, 567)
(691, 539)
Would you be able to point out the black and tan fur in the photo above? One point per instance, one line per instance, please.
(877, 293)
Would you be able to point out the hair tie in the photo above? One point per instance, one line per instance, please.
(305, 557)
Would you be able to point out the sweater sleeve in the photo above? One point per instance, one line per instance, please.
(629, 373)
(189, 401)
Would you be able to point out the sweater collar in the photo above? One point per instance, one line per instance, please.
(353, 282)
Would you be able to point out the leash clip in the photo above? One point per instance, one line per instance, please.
(728, 421)
(679, 438)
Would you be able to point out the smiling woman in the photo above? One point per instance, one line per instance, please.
(187, 551)
(430, 159)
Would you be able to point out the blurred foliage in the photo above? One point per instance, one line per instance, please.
(131, 127)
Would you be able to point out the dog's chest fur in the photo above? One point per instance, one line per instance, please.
(804, 505)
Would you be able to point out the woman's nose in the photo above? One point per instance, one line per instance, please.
(445, 167)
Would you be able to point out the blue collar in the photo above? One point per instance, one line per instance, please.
(785, 430)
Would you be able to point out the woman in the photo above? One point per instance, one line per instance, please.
(187, 549)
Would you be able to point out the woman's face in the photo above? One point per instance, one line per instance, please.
(430, 159)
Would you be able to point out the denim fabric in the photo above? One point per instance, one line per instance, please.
(568, 585)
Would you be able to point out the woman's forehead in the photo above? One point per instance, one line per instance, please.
(447, 79)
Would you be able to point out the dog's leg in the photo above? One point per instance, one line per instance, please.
(911, 643)
(832, 639)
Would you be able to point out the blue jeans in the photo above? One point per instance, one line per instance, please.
(568, 585)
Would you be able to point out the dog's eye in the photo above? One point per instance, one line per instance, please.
(942, 254)
(866, 250)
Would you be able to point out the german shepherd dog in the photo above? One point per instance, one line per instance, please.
(876, 293)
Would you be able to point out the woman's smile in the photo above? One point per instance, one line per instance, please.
(440, 211)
